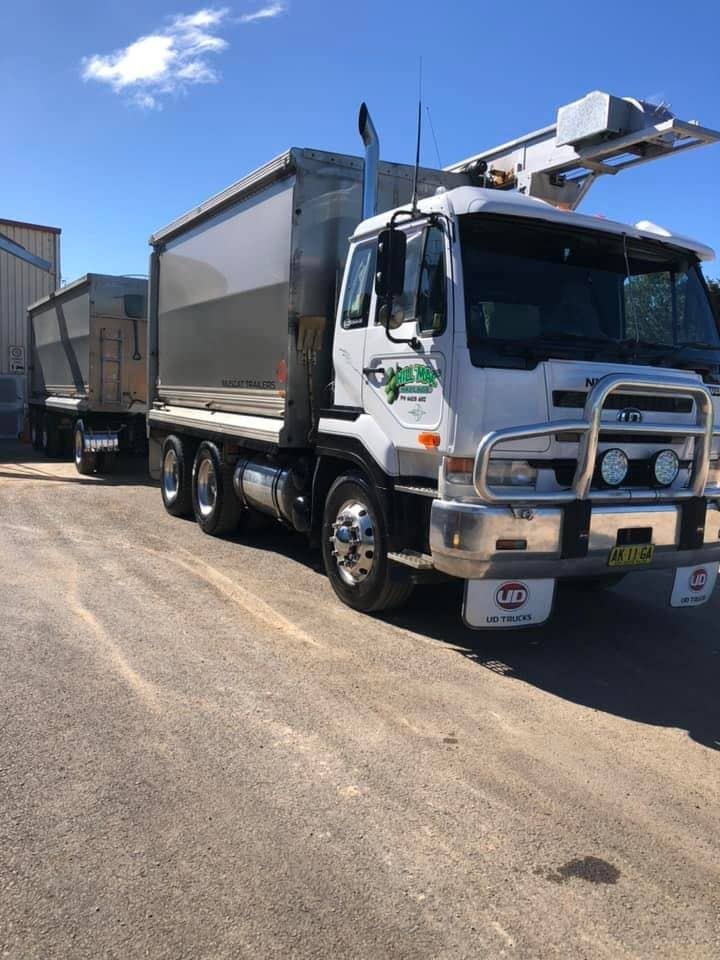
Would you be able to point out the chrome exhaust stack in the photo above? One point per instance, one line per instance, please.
(372, 158)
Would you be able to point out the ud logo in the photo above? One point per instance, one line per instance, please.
(511, 595)
(698, 579)
(630, 415)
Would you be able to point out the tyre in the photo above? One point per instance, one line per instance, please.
(355, 547)
(85, 462)
(36, 431)
(217, 509)
(52, 440)
(176, 476)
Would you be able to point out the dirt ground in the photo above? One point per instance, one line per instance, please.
(204, 755)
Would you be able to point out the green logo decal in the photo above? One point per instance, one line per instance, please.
(415, 378)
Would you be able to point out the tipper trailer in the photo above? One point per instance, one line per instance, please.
(480, 383)
(87, 377)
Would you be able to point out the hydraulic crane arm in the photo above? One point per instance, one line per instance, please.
(597, 135)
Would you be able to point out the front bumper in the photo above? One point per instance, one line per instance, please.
(464, 538)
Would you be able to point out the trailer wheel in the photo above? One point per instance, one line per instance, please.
(36, 434)
(51, 438)
(176, 476)
(354, 548)
(217, 509)
(85, 462)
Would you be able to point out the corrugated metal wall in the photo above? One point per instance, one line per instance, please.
(22, 284)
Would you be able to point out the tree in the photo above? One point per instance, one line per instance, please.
(714, 288)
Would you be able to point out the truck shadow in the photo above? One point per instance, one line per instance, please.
(20, 462)
(621, 651)
(609, 650)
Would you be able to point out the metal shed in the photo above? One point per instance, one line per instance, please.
(29, 270)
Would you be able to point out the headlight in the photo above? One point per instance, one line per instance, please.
(613, 467)
(501, 473)
(511, 473)
(665, 467)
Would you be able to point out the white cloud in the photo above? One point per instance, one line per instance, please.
(264, 13)
(170, 59)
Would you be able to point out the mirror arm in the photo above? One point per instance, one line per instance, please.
(412, 341)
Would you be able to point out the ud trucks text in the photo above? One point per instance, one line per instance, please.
(447, 373)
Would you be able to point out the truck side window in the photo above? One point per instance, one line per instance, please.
(404, 307)
(430, 311)
(361, 274)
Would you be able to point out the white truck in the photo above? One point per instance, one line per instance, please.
(481, 383)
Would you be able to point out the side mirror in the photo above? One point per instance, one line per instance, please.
(390, 275)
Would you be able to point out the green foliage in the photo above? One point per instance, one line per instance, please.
(648, 307)
(714, 287)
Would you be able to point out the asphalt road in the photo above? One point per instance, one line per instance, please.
(203, 755)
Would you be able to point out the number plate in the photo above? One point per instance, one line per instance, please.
(631, 556)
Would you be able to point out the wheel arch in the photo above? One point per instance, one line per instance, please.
(346, 455)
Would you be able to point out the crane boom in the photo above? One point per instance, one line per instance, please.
(595, 136)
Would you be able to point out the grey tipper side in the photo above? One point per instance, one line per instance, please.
(88, 343)
(247, 284)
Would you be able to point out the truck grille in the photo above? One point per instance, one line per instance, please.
(607, 436)
(618, 401)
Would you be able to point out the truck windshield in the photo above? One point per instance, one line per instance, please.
(534, 291)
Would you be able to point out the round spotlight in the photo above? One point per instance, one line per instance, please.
(613, 467)
(665, 467)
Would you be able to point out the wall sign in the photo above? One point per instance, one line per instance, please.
(17, 359)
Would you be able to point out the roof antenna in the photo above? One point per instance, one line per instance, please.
(417, 149)
(432, 131)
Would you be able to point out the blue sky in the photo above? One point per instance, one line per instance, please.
(227, 86)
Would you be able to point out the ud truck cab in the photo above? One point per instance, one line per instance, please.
(483, 384)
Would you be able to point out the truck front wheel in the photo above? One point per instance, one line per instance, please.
(355, 547)
(217, 509)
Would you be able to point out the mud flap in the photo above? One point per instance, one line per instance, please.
(693, 586)
(498, 604)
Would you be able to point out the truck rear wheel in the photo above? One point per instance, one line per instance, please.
(51, 438)
(176, 476)
(85, 462)
(355, 547)
(217, 509)
(36, 432)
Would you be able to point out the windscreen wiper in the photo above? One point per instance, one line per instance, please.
(569, 341)
(688, 356)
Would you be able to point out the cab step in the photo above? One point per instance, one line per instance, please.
(413, 559)
(417, 489)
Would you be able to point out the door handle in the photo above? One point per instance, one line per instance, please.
(368, 371)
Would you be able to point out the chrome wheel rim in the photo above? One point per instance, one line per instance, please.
(353, 542)
(79, 446)
(206, 487)
(170, 475)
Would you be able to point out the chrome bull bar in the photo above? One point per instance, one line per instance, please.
(590, 428)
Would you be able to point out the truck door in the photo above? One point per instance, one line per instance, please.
(403, 386)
